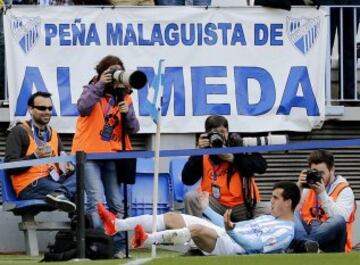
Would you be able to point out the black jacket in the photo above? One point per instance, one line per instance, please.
(246, 164)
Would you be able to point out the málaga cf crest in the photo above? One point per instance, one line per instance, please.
(303, 32)
(26, 31)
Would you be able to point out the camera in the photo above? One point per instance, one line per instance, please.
(215, 138)
(312, 176)
(133, 78)
(236, 140)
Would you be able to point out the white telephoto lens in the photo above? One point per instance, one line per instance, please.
(277, 139)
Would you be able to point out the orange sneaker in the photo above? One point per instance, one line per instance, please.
(139, 236)
(108, 219)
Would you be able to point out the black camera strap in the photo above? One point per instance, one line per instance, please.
(249, 196)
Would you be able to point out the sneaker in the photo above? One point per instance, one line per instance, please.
(311, 246)
(139, 237)
(119, 255)
(108, 219)
(60, 201)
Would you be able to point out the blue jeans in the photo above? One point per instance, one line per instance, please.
(182, 2)
(39, 188)
(331, 235)
(101, 185)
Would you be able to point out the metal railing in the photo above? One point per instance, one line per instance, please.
(344, 23)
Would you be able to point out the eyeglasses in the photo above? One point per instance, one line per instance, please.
(43, 108)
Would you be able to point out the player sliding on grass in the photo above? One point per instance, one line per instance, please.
(265, 234)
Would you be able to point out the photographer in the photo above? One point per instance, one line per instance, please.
(102, 106)
(228, 178)
(35, 139)
(326, 211)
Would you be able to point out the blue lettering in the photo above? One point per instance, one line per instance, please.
(93, 35)
(32, 78)
(261, 34)
(142, 41)
(238, 35)
(191, 33)
(298, 75)
(211, 38)
(114, 36)
(200, 90)
(156, 35)
(130, 35)
(224, 27)
(275, 33)
(64, 34)
(200, 33)
(171, 34)
(50, 32)
(67, 108)
(78, 34)
(173, 78)
(267, 88)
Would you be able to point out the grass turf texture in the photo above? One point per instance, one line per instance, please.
(173, 258)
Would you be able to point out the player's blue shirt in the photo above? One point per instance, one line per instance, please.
(264, 234)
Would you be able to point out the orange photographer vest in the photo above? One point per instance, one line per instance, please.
(310, 203)
(88, 130)
(230, 195)
(21, 181)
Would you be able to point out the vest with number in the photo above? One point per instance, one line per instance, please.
(310, 202)
(230, 195)
(88, 130)
(22, 180)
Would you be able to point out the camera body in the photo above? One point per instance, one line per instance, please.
(312, 176)
(216, 139)
(131, 78)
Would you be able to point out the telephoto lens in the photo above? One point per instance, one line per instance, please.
(265, 140)
(135, 79)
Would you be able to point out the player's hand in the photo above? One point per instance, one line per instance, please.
(204, 199)
(227, 220)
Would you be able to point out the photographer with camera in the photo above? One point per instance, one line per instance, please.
(327, 207)
(228, 178)
(105, 105)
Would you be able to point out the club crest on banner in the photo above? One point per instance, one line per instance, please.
(303, 32)
(26, 31)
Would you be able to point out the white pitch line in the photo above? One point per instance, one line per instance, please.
(137, 261)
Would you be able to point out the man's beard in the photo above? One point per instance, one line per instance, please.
(40, 121)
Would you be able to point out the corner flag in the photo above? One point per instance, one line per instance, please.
(153, 100)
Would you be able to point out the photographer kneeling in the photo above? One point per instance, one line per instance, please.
(326, 210)
(228, 178)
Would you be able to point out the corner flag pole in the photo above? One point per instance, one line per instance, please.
(153, 105)
(156, 179)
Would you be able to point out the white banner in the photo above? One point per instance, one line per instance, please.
(264, 69)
